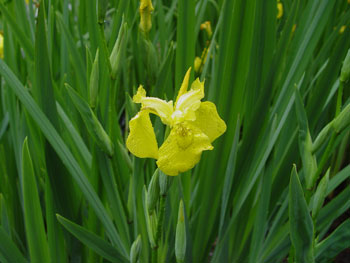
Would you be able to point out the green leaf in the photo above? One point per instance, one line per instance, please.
(185, 41)
(320, 194)
(300, 222)
(92, 123)
(335, 243)
(305, 142)
(26, 44)
(77, 60)
(93, 241)
(35, 230)
(63, 152)
(8, 250)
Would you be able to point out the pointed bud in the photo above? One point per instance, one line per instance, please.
(342, 120)
(345, 70)
(322, 136)
(135, 250)
(102, 137)
(93, 84)
(149, 220)
(180, 238)
(153, 192)
(165, 182)
(119, 46)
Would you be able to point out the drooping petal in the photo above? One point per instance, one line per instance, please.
(209, 121)
(162, 108)
(182, 149)
(141, 141)
(184, 85)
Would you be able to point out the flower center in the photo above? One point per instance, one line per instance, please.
(185, 136)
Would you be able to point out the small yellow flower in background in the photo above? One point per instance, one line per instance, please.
(194, 125)
(294, 27)
(197, 64)
(1, 45)
(342, 29)
(199, 61)
(279, 10)
(146, 9)
(207, 27)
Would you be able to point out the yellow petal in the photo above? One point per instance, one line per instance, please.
(182, 149)
(140, 94)
(146, 5)
(209, 121)
(184, 85)
(154, 105)
(142, 141)
(189, 102)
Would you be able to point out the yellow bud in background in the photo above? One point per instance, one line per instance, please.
(199, 61)
(197, 64)
(279, 10)
(1, 45)
(146, 9)
(342, 29)
(180, 237)
(207, 27)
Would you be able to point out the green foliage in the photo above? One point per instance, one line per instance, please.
(69, 72)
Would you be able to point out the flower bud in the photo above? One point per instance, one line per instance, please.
(150, 220)
(153, 192)
(342, 120)
(165, 182)
(207, 27)
(345, 70)
(279, 10)
(320, 195)
(101, 136)
(146, 9)
(93, 84)
(119, 46)
(1, 46)
(180, 238)
(197, 64)
(135, 250)
(322, 136)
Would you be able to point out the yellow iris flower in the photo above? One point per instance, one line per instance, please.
(194, 125)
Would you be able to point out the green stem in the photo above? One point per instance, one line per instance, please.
(159, 227)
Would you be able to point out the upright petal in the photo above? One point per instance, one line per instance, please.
(162, 108)
(182, 149)
(184, 85)
(189, 102)
(209, 121)
(141, 141)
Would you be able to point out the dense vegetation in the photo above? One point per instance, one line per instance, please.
(274, 188)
